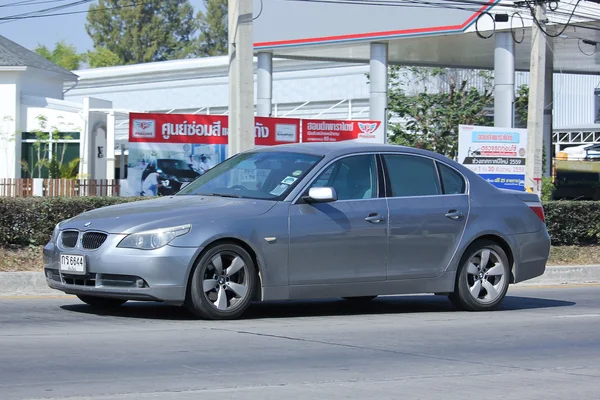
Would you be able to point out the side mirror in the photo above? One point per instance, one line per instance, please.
(321, 195)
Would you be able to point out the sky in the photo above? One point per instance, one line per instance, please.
(49, 30)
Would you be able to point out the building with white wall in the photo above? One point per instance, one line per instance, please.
(30, 87)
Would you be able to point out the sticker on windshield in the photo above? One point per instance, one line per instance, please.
(296, 173)
(289, 180)
(279, 189)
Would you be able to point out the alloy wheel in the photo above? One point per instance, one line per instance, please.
(485, 276)
(226, 282)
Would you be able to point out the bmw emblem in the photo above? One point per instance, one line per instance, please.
(87, 224)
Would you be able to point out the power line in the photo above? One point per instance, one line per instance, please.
(27, 3)
(16, 18)
(46, 10)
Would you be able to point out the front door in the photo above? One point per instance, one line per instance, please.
(428, 212)
(346, 240)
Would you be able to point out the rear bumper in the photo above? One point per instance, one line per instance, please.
(531, 255)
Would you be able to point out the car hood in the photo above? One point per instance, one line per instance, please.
(164, 212)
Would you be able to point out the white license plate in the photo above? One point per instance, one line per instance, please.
(72, 264)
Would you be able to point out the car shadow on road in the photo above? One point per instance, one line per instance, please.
(318, 308)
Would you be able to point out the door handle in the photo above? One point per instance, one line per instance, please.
(454, 214)
(375, 218)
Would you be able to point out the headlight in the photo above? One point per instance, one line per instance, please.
(150, 240)
(54, 235)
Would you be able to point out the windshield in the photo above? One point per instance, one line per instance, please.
(172, 164)
(256, 175)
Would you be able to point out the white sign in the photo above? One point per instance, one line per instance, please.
(143, 128)
(495, 154)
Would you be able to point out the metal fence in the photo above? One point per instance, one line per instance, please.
(58, 187)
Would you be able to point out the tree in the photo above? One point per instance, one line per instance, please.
(213, 39)
(521, 106)
(140, 32)
(63, 55)
(102, 57)
(446, 99)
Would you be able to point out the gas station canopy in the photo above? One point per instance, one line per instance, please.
(428, 33)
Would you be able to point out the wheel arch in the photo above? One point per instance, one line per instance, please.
(257, 295)
(500, 241)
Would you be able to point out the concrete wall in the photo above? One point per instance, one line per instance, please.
(40, 83)
(9, 124)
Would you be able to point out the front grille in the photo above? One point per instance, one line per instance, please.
(93, 240)
(69, 238)
(86, 280)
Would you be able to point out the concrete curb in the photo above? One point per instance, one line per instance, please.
(566, 275)
(34, 283)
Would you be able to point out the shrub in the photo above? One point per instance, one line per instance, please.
(30, 220)
(573, 222)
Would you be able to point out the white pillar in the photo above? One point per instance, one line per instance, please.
(535, 109)
(122, 162)
(264, 84)
(378, 76)
(548, 105)
(504, 80)
(241, 77)
(110, 146)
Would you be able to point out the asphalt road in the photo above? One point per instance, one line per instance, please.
(543, 344)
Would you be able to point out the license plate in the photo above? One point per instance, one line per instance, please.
(72, 264)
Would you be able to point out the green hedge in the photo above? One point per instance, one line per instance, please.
(30, 221)
(573, 222)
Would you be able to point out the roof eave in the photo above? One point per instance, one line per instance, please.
(13, 68)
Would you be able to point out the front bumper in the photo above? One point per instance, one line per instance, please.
(152, 275)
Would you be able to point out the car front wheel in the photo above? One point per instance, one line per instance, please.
(223, 283)
(483, 278)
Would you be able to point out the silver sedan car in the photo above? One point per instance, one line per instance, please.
(319, 220)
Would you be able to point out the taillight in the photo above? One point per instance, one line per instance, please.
(538, 209)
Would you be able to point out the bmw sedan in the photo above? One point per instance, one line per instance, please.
(316, 220)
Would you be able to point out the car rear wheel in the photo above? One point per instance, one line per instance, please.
(223, 283)
(483, 278)
(101, 302)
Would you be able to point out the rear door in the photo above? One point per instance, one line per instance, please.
(428, 205)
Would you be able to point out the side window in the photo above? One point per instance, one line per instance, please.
(452, 181)
(412, 176)
(352, 178)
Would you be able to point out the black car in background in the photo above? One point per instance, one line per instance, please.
(172, 174)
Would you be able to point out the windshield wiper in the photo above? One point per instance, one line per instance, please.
(233, 196)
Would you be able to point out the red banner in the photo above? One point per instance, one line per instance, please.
(207, 129)
(320, 130)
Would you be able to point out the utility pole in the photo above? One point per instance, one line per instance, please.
(535, 117)
(241, 77)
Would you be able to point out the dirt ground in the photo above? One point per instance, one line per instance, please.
(17, 259)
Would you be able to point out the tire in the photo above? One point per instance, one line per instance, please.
(216, 294)
(101, 302)
(360, 299)
(476, 289)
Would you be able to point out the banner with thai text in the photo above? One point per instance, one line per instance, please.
(168, 151)
(495, 154)
(320, 130)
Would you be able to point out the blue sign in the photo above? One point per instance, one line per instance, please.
(501, 181)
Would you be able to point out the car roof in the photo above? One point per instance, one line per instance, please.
(335, 149)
